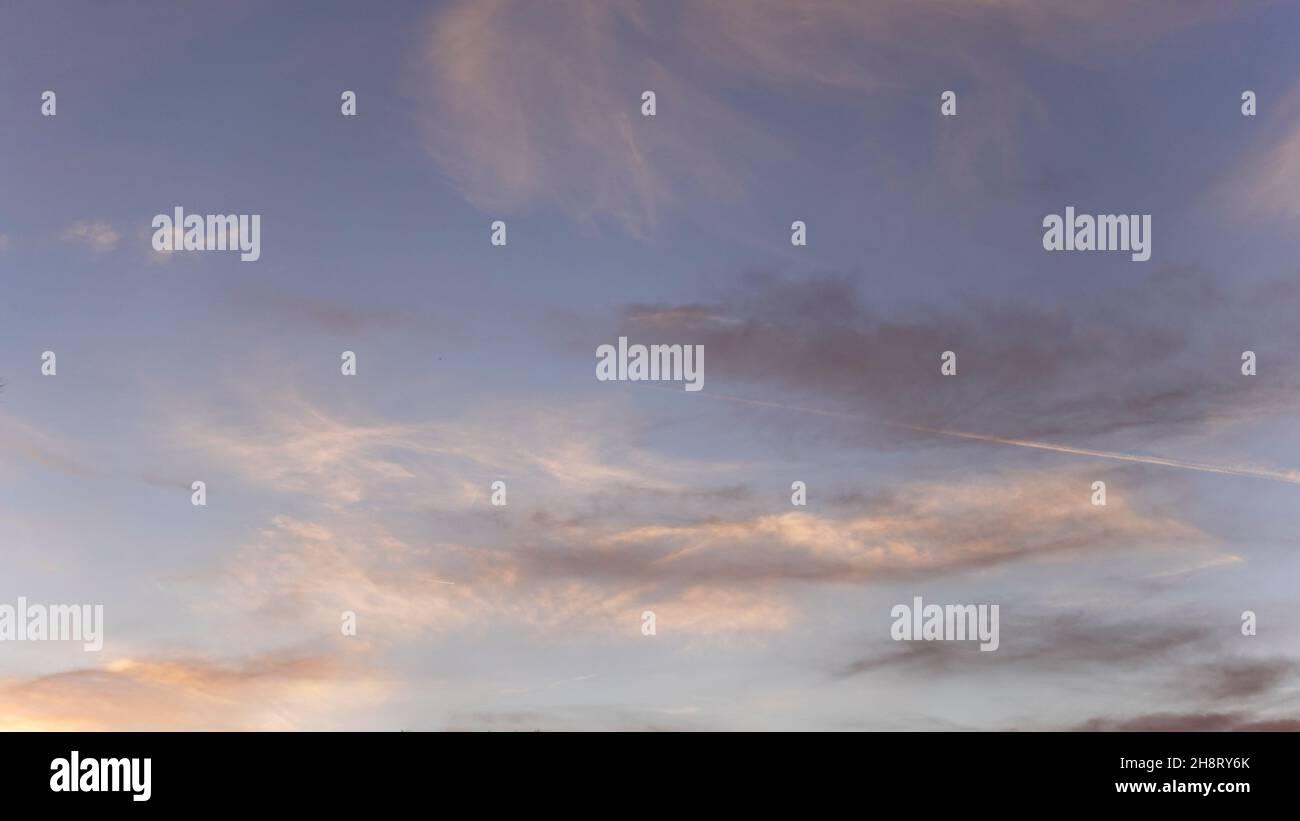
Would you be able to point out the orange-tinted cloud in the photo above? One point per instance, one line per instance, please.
(265, 693)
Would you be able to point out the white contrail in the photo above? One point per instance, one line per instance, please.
(1291, 476)
(1288, 476)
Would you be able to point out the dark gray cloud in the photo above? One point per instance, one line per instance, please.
(1161, 355)
(1074, 643)
(1189, 722)
(1190, 665)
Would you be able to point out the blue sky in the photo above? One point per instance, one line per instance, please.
(371, 493)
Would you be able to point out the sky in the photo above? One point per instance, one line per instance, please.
(372, 494)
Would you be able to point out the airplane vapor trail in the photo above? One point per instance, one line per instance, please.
(1287, 476)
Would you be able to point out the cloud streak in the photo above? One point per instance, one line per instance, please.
(1285, 476)
(97, 235)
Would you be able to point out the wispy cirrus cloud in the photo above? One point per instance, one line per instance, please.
(712, 578)
(921, 530)
(1265, 182)
(293, 445)
(533, 107)
(32, 444)
(306, 573)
